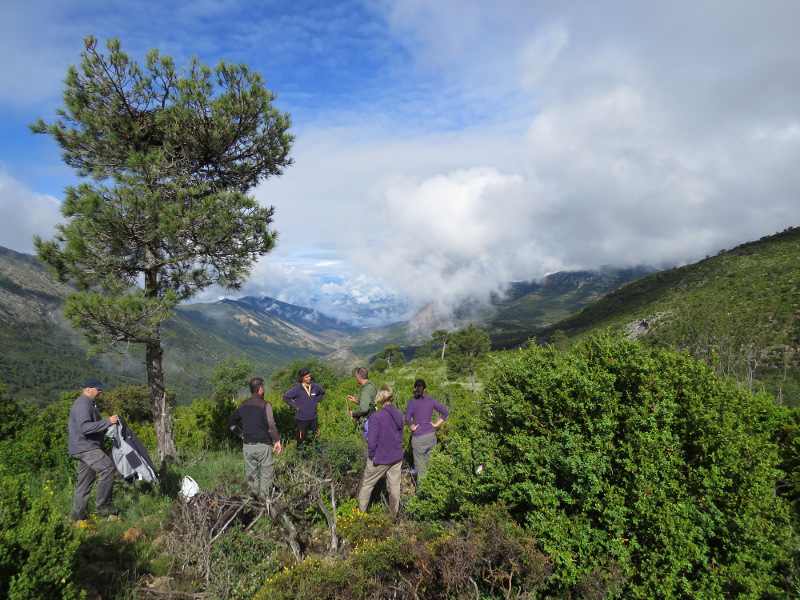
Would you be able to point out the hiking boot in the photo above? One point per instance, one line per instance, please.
(106, 510)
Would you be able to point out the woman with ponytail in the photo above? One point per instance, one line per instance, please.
(419, 418)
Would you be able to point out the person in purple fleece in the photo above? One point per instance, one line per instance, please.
(304, 398)
(419, 418)
(385, 446)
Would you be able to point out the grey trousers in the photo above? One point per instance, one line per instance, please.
(422, 446)
(90, 464)
(259, 465)
(372, 475)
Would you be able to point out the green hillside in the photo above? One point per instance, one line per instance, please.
(738, 311)
(611, 469)
(534, 305)
(43, 356)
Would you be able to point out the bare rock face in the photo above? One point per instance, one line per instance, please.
(28, 292)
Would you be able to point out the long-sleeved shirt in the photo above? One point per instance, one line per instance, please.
(304, 400)
(258, 422)
(87, 427)
(385, 442)
(365, 400)
(420, 412)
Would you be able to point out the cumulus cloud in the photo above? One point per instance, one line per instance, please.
(24, 213)
(446, 148)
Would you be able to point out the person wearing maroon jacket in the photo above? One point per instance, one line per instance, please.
(259, 435)
(385, 447)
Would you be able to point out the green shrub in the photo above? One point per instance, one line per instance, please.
(612, 454)
(356, 527)
(38, 548)
(12, 416)
(41, 444)
(192, 426)
(239, 563)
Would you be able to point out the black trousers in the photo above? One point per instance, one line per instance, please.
(306, 431)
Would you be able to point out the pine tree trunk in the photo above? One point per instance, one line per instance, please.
(162, 417)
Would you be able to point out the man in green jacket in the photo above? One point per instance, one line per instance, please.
(365, 403)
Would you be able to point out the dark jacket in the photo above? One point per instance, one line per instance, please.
(258, 422)
(129, 454)
(86, 427)
(305, 403)
(386, 436)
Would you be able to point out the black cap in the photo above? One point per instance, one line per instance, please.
(93, 382)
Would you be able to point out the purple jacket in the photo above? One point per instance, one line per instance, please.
(420, 412)
(303, 402)
(386, 436)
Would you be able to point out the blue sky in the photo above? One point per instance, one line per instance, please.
(446, 148)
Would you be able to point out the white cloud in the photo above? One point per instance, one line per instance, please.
(489, 142)
(24, 213)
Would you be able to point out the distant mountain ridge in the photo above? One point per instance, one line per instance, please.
(41, 347)
(298, 315)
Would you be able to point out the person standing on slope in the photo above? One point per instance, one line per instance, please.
(259, 436)
(87, 429)
(365, 403)
(304, 398)
(419, 418)
(385, 449)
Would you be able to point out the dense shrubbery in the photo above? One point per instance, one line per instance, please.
(625, 460)
(38, 549)
(485, 558)
(606, 471)
(39, 440)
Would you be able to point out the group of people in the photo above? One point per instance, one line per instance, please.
(380, 426)
(385, 441)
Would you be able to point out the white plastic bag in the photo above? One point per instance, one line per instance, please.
(189, 489)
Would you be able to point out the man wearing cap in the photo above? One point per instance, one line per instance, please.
(86, 433)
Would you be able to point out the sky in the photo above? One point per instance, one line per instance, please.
(444, 149)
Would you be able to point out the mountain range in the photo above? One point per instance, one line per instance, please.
(739, 310)
(43, 355)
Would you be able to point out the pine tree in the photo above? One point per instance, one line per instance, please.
(168, 157)
(467, 347)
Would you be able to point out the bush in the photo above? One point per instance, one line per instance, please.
(38, 549)
(614, 455)
(12, 417)
(41, 444)
(487, 558)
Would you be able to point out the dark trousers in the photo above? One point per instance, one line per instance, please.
(306, 432)
(90, 464)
